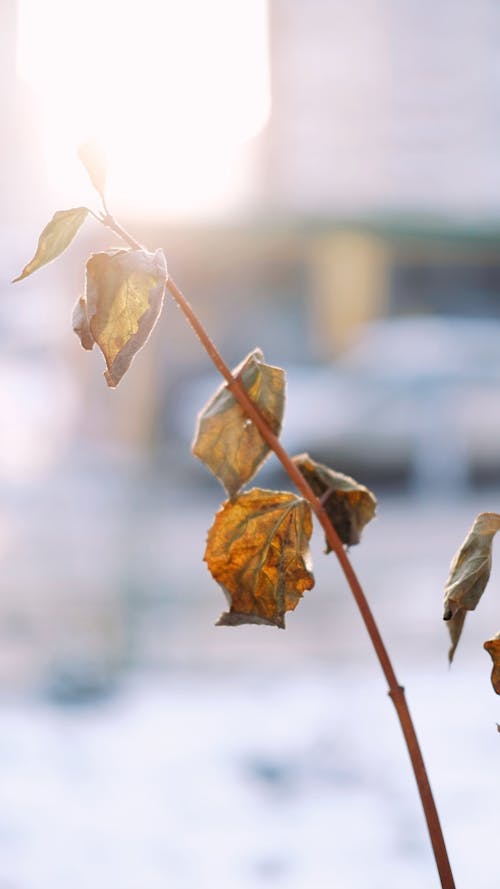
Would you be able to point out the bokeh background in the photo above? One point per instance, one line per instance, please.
(325, 180)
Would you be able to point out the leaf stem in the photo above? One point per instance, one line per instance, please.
(110, 222)
(396, 691)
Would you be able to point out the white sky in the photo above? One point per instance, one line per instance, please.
(175, 91)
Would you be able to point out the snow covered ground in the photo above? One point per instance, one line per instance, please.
(255, 758)
(292, 779)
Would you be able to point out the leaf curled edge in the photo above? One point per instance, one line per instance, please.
(469, 574)
(348, 505)
(492, 646)
(258, 551)
(123, 300)
(80, 323)
(225, 439)
(56, 236)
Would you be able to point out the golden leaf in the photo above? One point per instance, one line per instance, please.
(492, 646)
(225, 439)
(469, 573)
(258, 551)
(349, 505)
(123, 299)
(56, 236)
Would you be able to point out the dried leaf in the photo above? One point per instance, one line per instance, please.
(258, 551)
(492, 646)
(93, 159)
(469, 573)
(349, 505)
(225, 439)
(56, 236)
(123, 299)
(80, 322)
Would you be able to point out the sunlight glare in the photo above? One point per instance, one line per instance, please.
(174, 91)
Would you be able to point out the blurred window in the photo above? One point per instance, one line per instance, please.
(466, 289)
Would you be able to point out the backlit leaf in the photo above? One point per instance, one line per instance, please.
(80, 322)
(349, 505)
(123, 299)
(56, 236)
(225, 439)
(469, 573)
(492, 646)
(94, 160)
(258, 551)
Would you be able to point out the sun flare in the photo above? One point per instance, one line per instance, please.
(175, 92)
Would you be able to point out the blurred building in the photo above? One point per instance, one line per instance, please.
(388, 114)
(378, 186)
(384, 107)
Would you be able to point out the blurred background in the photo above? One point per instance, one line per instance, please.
(325, 181)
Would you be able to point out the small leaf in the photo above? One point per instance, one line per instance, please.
(93, 159)
(492, 646)
(349, 505)
(225, 439)
(56, 236)
(469, 573)
(123, 299)
(258, 551)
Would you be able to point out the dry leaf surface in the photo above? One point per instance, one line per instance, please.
(349, 505)
(258, 551)
(469, 574)
(123, 299)
(225, 439)
(492, 646)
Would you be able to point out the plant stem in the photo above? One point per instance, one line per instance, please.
(110, 222)
(396, 691)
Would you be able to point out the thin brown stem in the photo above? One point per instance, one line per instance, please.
(110, 222)
(396, 691)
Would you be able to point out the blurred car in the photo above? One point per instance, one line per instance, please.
(415, 399)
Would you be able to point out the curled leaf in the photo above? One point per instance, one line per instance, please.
(225, 439)
(469, 574)
(258, 551)
(492, 646)
(56, 236)
(93, 159)
(349, 505)
(123, 299)
(80, 323)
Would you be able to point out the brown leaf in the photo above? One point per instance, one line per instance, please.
(492, 646)
(469, 573)
(123, 299)
(258, 551)
(349, 505)
(225, 439)
(56, 236)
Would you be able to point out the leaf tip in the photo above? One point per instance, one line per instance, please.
(110, 379)
(94, 160)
